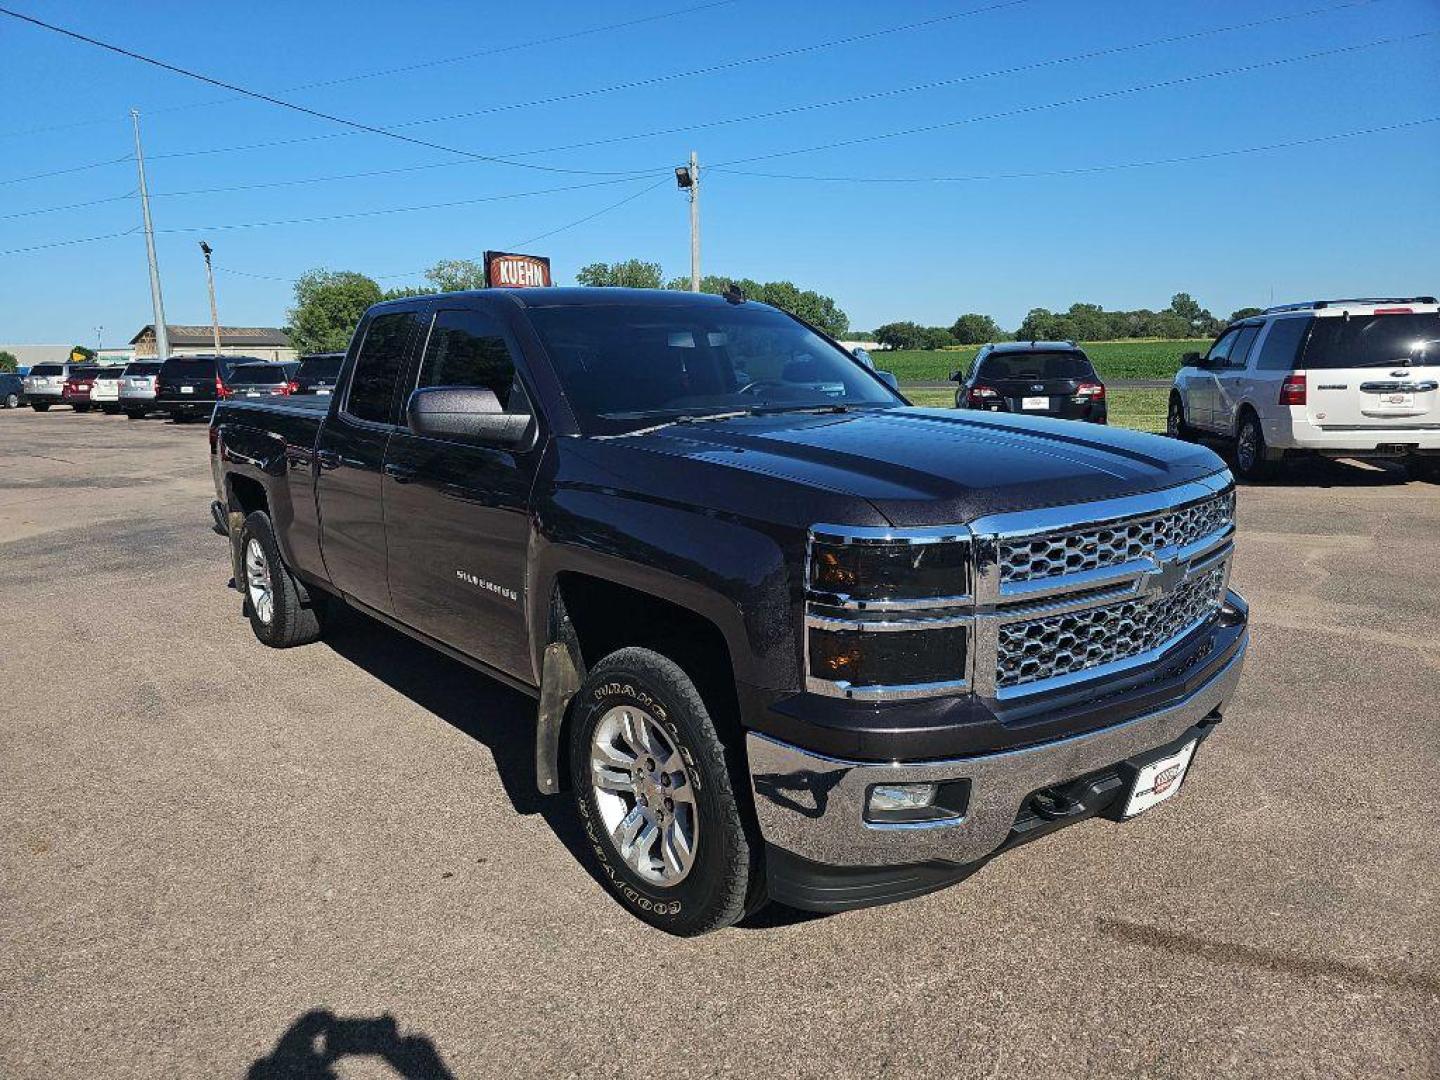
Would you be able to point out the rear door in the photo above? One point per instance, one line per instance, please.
(457, 511)
(351, 454)
(1231, 380)
(1374, 371)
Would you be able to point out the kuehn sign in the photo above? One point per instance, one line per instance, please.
(506, 270)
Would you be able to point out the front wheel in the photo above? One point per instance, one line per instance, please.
(1252, 459)
(134, 414)
(653, 791)
(277, 614)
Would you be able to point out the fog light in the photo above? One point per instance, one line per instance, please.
(889, 798)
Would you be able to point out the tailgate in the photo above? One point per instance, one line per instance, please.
(1374, 397)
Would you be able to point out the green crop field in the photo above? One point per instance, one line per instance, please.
(1143, 410)
(1148, 359)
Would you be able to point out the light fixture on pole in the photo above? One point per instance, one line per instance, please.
(687, 178)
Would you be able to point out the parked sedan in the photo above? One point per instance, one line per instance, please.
(1038, 378)
(76, 392)
(105, 391)
(137, 388)
(12, 390)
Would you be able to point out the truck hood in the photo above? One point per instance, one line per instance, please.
(939, 466)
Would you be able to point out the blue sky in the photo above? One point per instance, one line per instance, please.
(1354, 215)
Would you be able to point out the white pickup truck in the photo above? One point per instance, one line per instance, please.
(1343, 378)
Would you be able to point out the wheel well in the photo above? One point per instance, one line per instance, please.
(606, 616)
(1246, 409)
(247, 495)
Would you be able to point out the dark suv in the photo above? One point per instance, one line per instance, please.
(189, 386)
(1038, 378)
(318, 373)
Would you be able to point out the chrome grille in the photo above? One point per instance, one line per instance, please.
(1062, 644)
(1027, 558)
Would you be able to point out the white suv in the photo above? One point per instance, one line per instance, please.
(1343, 378)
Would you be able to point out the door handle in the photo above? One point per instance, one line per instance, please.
(401, 474)
(328, 459)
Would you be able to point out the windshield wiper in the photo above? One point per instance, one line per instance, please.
(769, 410)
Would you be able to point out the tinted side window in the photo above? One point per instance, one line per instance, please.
(1221, 349)
(1241, 349)
(381, 359)
(1282, 345)
(467, 349)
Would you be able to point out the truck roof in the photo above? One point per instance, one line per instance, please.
(582, 296)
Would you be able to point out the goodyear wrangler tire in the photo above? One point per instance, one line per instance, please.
(655, 799)
(277, 614)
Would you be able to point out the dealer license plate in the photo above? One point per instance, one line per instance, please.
(1159, 780)
(325, 392)
(1035, 403)
(1404, 401)
(187, 389)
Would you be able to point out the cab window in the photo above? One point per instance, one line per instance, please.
(468, 348)
(1282, 344)
(1240, 350)
(1220, 352)
(377, 368)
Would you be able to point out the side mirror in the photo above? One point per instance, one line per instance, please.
(466, 412)
(889, 379)
(957, 376)
(863, 356)
(1191, 359)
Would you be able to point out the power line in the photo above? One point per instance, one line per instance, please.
(66, 206)
(302, 109)
(632, 84)
(68, 243)
(1104, 95)
(63, 172)
(405, 68)
(1083, 169)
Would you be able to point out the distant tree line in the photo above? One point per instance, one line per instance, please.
(818, 310)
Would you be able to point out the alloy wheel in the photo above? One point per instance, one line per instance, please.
(645, 795)
(1246, 447)
(257, 582)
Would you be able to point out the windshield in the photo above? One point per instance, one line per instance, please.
(109, 373)
(258, 373)
(47, 369)
(624, 366)
(1036, 365)
(322, 367)
(1374, 341)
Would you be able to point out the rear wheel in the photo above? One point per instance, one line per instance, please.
(111, 410)
(40, 406)
(12, 401)
(1252, 460)
(1175, 425)
(135, 414)
(278, 616)
(653, 790)
(81, 407)
(1423, 468)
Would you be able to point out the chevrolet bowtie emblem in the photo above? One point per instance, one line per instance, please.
(1164, 579)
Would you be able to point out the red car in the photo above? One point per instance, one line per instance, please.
(76, 392)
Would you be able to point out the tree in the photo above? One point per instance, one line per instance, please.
(8, 360)
(816, 309)
(975, 330)
(328, 305)
(901, 335)
(630, 274)
(1244, 313)
(1200, 321)
(456, 275)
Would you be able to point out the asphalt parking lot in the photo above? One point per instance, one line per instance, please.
(220, 860)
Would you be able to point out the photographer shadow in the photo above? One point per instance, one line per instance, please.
(312, 1046)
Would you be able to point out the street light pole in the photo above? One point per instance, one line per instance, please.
(687, 178)
(214, 312)
(157, 302)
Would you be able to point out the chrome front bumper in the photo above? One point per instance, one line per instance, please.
(813, 806)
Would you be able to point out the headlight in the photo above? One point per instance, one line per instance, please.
(887, 613)
(871, 572)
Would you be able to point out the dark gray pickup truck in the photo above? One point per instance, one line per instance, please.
(790, 638)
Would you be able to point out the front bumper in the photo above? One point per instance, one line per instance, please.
(813, 807)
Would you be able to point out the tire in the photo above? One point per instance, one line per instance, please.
(40, 406)
(1175, 425)
(81, 408)
(134, 414)
(111, 410)
(643, 710)
(273, 602)
(12, 401)
(1251, 457)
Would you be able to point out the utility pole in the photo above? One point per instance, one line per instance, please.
(99, 337)
(214, 312)
(157, 302)
(687, 178)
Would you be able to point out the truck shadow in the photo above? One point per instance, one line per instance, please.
(1333, 473)
(497, 717)
(312, 1047)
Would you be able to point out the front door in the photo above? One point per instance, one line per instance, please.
(457, 511)
(1231, 381)
(1200, 401)
(351, 455)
